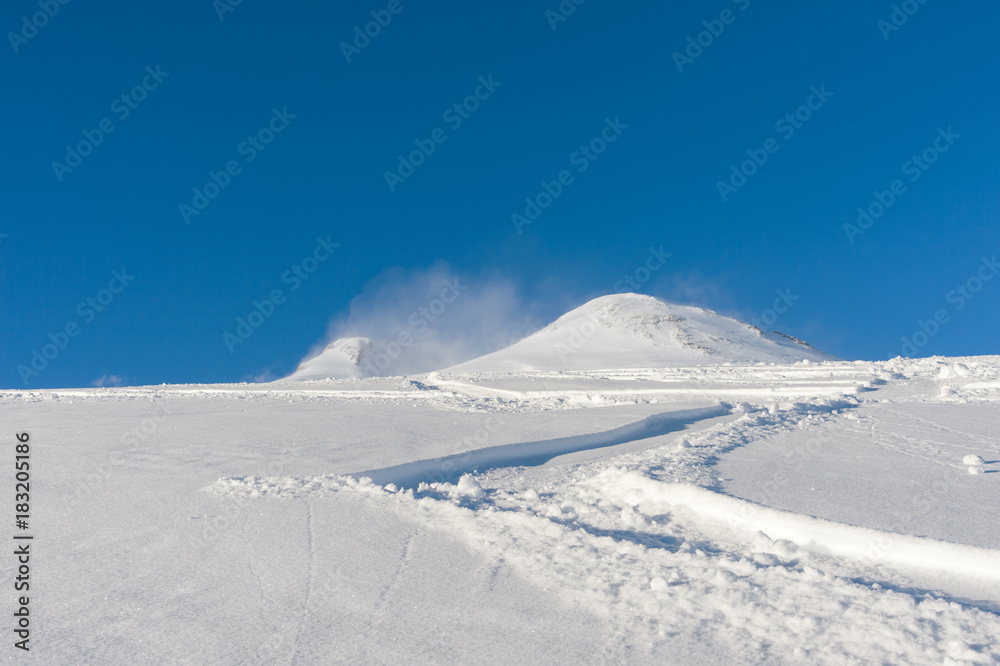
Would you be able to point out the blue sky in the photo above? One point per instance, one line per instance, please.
(267, 91)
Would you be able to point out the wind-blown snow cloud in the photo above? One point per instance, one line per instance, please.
(428, 319)
(108, 380)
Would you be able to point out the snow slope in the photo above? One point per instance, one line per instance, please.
(635, 331)
(815, 513)
(344, 358)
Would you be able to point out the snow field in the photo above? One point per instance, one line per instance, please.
(243, 521)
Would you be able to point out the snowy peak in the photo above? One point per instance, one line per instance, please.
(341, 359)
(631, 316)
(632, 330)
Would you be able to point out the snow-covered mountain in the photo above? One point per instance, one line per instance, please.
(632, 331)
(341, 359)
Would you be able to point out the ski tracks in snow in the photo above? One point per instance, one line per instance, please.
(394, 581)
(644, 542)
(249, 559)
(310, 570)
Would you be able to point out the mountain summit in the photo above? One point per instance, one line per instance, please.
(342, 358)
(632, 330)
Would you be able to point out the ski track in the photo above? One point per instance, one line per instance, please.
(921, 448)
(379, 607)
(990, 444)
(310, 567)
(883, 438)
(249, 559)
(645, 534)
(528, 454)
(393, 584)
(692, 589)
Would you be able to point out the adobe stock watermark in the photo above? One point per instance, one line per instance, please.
(563, 11)
(581, 158)
(223, 7)
(795, 461)
(787, 126)
(782, 304)
(958, 297)
(582, 332)
(248, 149)
(381, 18)
(420, 320)
(122, 107)
(915, 167)
(635, 280)
(451, 467)
(294, 277)
(215, 526)
(130, 441)
(31, 26)
(455, 115)
(908, 518)
(900, 14)
(87, 310)
(696, 44)
(797, 458)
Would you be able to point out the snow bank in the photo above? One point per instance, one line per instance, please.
(651, 498)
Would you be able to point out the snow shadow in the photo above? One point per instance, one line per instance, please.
(449, 469)
(920, 594)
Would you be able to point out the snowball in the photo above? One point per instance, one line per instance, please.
(684, 444)
(973, 460)
(469, 487)
(976, 470)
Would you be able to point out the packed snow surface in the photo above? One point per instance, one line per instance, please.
(755, 513)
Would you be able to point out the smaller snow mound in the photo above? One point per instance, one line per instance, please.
(469, 487)
(345, 358)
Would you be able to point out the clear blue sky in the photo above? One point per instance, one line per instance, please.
(887, 94)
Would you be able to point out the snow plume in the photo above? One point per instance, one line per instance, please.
(426, 319)
(107, 380)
